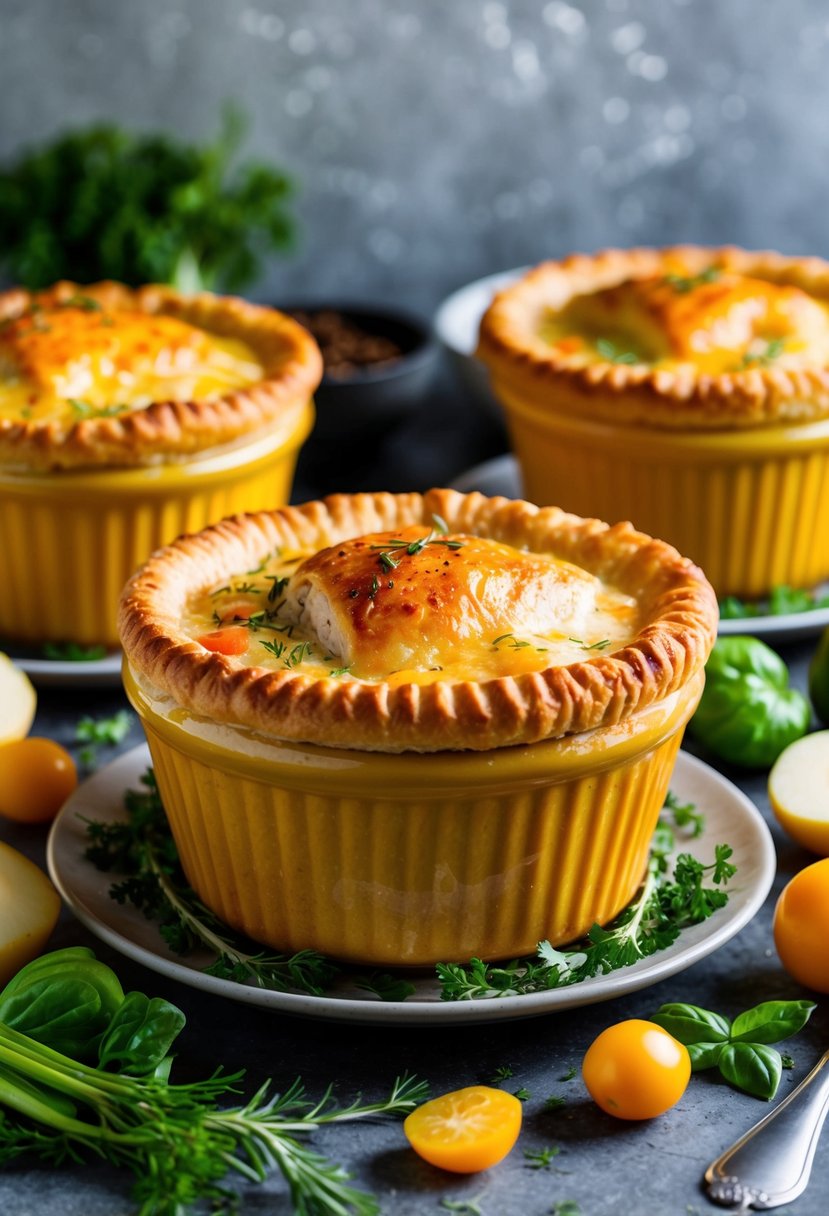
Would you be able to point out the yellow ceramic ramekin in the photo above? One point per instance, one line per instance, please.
(742, 503)
(70, 539)
(409, 859)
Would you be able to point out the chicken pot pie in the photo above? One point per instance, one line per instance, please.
(686, 389)
(126, 417)
(400, 729)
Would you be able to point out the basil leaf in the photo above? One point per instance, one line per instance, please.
(704, 1055)
(771, 1021)
(690, 1024)
(753, 1067)
(140, 1034)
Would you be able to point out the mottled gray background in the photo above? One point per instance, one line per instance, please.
(439, 140)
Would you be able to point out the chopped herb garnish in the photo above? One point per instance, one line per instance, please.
(786, 1062)
(375, 587)
(274, 648)
(522, 1094)
(685, 283)
(615, 354)
(301, 651)
(246, 589)
(773, 349)
(339, 671)
(279, 583)
(541, 1158)
(601, 645)
(79, 301)
(554, 1102)
(503, 1073)
(220, 591)
(469, 1207)
(569, 1075)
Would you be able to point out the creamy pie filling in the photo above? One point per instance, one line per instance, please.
(412, 606)
(78, 359)
(715, 321)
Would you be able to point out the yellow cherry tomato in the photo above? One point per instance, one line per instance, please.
(636, 1070)
(36, 777)
(466, 1130)
(801, 926)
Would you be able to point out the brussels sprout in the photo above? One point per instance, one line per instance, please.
(748, 713)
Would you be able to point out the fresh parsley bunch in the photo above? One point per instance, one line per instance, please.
(104, 203)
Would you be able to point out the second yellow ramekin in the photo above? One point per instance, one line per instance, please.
(744, 504)
(70, 539)
(412, 859)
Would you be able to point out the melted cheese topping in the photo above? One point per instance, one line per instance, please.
(715, 321)
(413, 607)
(78, 360)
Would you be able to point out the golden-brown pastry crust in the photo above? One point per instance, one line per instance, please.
(638, 394)
(170, 430)
(678, 605)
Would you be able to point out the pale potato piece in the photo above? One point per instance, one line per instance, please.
(799, 791)
(29, 908)
(17, 701)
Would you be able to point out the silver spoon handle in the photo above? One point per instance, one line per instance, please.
(770, 1165)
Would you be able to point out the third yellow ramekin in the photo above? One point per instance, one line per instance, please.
(744, 504)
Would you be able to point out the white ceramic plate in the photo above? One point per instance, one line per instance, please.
(86, 673)
(502, 476)
(729, 816)
(456, 325)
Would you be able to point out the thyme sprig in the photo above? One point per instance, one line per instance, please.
(668, 902)
(143, 851)
(762, 358)
(613, 353)
(393, 550)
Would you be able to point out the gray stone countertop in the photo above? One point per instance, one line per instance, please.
(607, 1167)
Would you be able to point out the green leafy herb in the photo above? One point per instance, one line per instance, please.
(101, 732)
(682, 284)
(685, 815)
(468, 1206)
(565, 1207)
(772, 350)
(782, 601)
(143, 852)
(175, 1140)
(612, 353)
(569, 1075)
(386, 987)
(71, 652)
(522, 1094)
(502, 1073)
(340, 671)
(83, 409)
(274, 648)
(668, 902)
(786, 1062)
(554, 1102)
(601, 645)
(104, 203)
(740, 1049)
(541, 1158)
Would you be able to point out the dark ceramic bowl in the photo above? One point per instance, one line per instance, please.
(370, 399)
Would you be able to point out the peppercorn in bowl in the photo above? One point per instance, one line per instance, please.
(686, 389)
(400, 729)
(128, 417)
